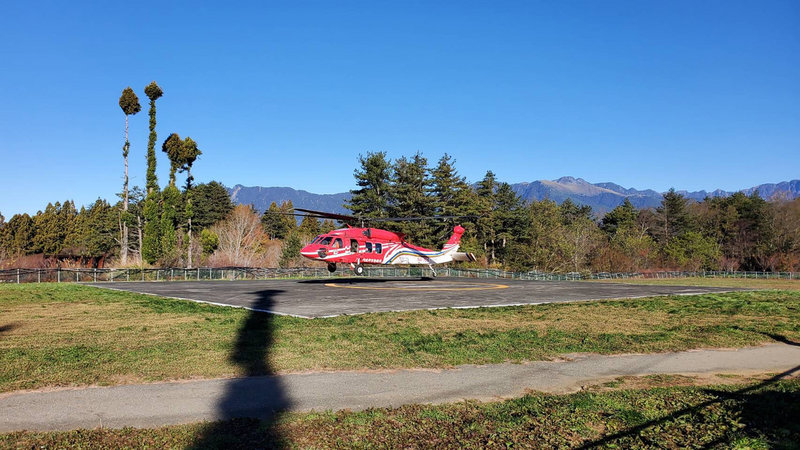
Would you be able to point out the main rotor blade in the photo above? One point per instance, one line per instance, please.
(415, 219)
(327, 215)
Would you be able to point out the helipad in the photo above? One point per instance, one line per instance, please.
(338, 296)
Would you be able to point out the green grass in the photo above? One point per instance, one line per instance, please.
(755, 416)
(72, 335)
(752, 283)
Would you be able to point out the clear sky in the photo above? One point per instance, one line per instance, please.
(648, 94)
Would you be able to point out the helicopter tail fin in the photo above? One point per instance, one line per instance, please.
(458, 230)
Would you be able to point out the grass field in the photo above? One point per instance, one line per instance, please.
(752, 283)
(757, 415)
(72, 335)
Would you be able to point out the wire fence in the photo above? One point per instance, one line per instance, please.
(65, 275)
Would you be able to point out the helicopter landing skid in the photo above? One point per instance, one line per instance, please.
(433, 271)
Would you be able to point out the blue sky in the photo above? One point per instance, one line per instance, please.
(686, 94)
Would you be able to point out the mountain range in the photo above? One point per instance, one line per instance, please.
(602, 197)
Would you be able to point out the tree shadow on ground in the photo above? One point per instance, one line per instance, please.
(781, 338)
(764, 414)
(9, 327)
(251, 405)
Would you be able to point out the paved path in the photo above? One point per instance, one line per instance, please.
(336, 296)
(183, 402)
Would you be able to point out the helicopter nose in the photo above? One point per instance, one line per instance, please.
(309, 252)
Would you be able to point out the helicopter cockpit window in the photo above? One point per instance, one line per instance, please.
(353, 245)
(325, 241)
(378, 248)
(338, 243)
(369, 247)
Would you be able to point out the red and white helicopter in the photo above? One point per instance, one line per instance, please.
(357, 246)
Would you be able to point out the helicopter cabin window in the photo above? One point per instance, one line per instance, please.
(369, 247)
(353, 245)
(338, 243)
(378, 248)
(325, 241)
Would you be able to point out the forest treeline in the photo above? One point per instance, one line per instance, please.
(192, 224)
(739, 232)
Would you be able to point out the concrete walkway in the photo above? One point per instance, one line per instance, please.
(159, 404)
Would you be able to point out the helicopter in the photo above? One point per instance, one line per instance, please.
(358, 246)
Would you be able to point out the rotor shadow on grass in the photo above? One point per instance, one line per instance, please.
(251, 405)
(767, 414)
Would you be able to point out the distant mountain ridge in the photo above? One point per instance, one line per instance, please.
(602, 197)
(262, 197)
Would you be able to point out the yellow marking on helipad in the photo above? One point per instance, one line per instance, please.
(481, 287)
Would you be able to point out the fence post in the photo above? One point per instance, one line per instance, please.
(17, 275)
(58, 275)
(127, 274)
(38, 275)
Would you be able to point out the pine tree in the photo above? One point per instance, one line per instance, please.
(93, 234)
(210, 204)
(288, 218)
(410, 197)
(327, 226)
(623, 216)
(484, 205)
(129, 103)
(508, 219)
(277, 221)
(309, 227)
(291, 248)
(451, 195)
(373, 180)
(19, 234)
(447, 188)
(673, 217)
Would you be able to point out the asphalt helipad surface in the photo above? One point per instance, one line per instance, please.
(338, 296)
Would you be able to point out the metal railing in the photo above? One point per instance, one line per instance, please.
(63, 275)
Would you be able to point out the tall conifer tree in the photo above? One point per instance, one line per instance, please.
(151, 248)
(373, 180)
(189, 155)
(410, 197)
(129, 103)
(153, 92)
